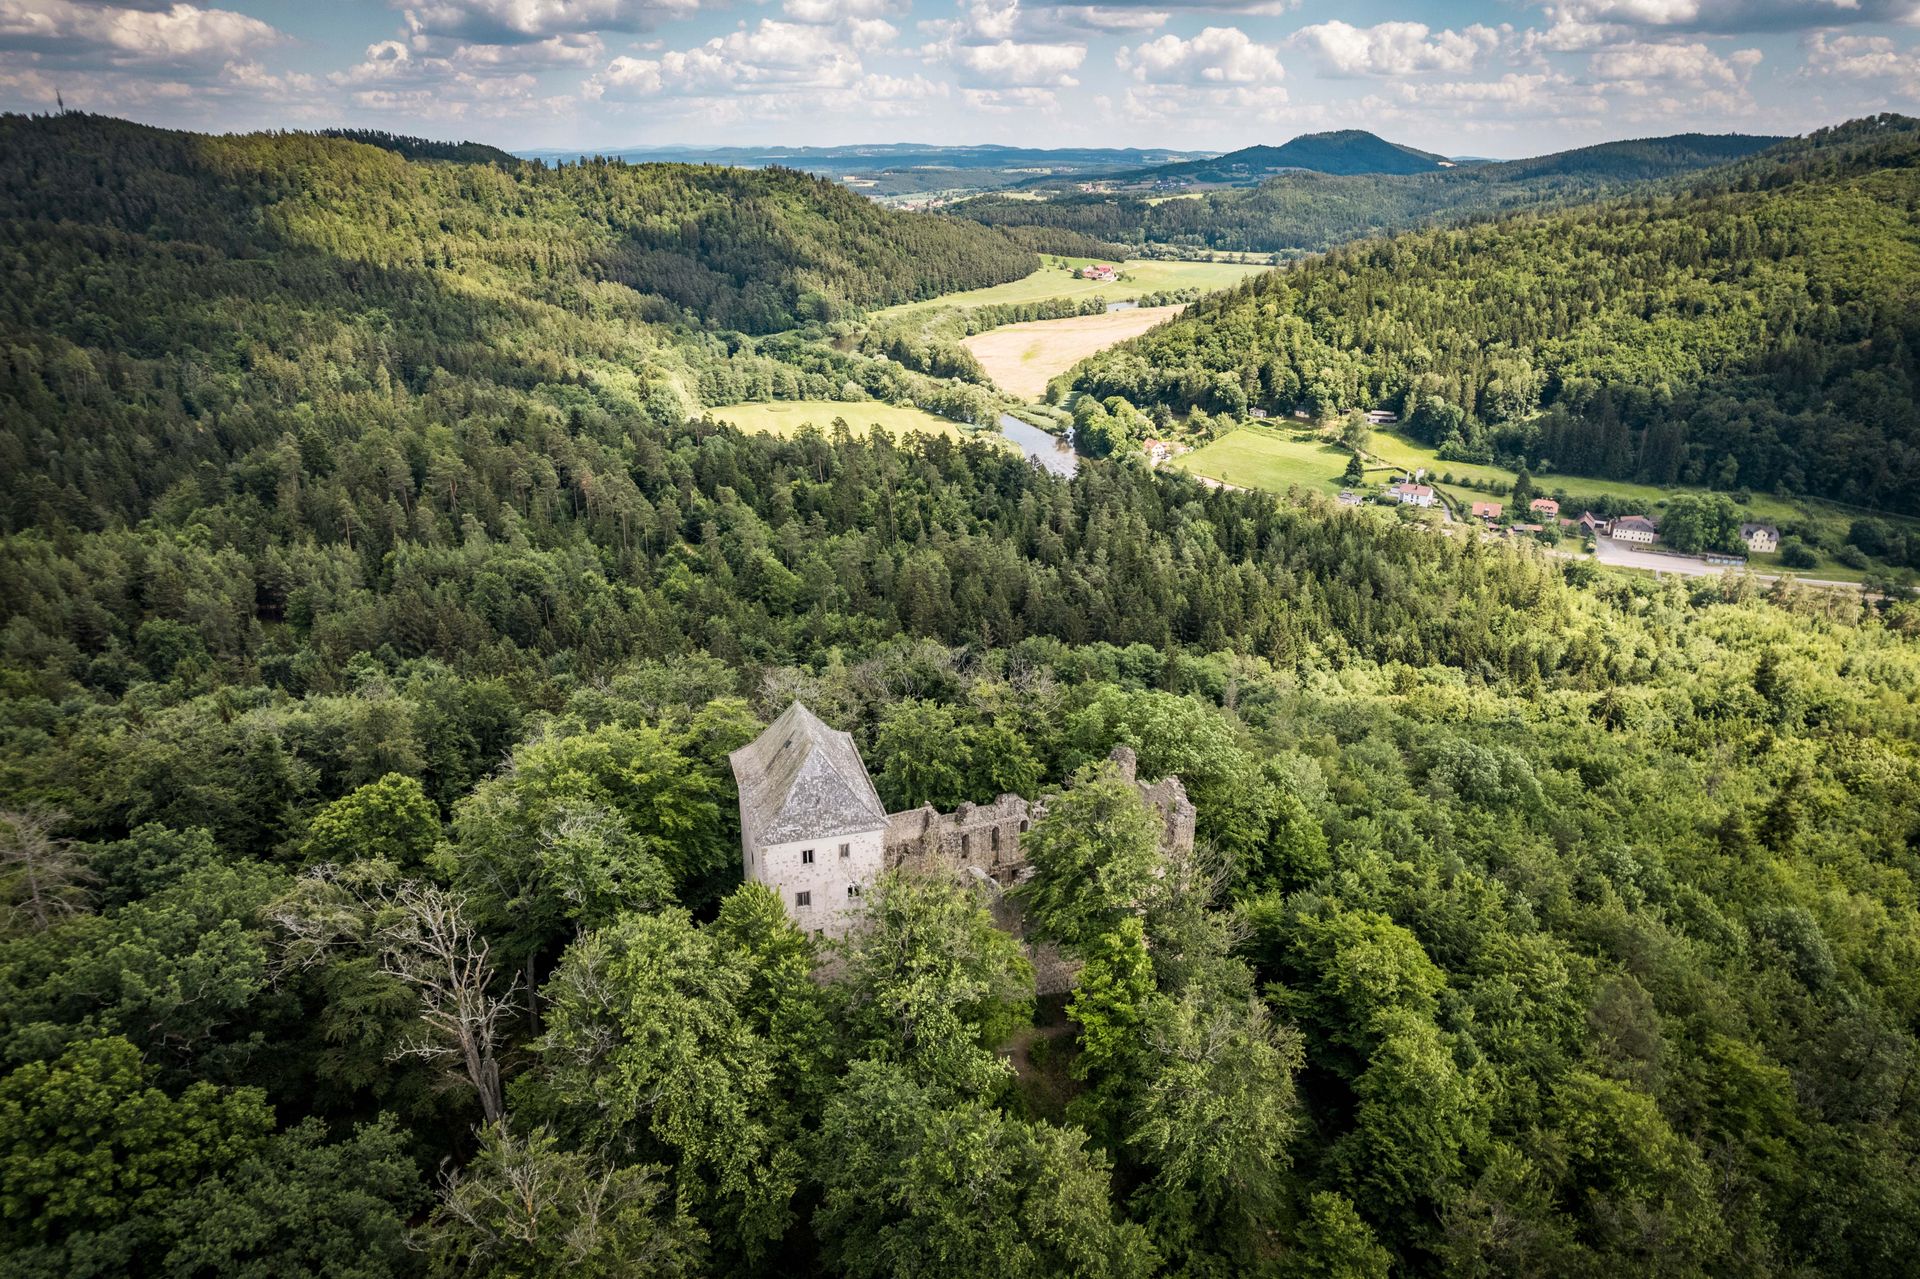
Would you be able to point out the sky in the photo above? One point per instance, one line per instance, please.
(1464, 77)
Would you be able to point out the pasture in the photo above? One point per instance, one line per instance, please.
(1251, 458)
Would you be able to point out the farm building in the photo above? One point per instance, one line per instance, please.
(1633, 528)
(1412, 494)
(1544, 506)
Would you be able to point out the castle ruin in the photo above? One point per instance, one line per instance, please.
(813, 828)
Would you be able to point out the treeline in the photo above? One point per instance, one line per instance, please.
(1758, 330)
(413, 148)
(1309, 212)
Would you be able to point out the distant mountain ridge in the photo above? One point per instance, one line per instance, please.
(1304, 211)
(1342, 151)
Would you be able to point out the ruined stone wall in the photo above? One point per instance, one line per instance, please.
(980, 837)
(985, 838)
(982, 842)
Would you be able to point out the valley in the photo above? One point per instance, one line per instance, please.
(494, 783)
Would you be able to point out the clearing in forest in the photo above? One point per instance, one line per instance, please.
(1059, 278)
(1268, 460)
(1023, 358)
(787, 417)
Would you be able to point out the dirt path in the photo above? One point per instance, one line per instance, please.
(1023, 358)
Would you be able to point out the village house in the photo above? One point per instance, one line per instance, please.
(1099, 271)
(1256, 413)
(1590, 524)
(1347, 497)
(812, 826)
(1761, 539)
(1382, 417)
(1487, 510)
(1545, 506)
(1408, 494)
(1634, 528)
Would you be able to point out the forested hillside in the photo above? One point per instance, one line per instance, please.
(1341, 151)
(176, 301)
(370, 896)
(427, 148)
(1311, 211)
(1760, 329)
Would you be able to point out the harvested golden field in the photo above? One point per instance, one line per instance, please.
(1022, 358)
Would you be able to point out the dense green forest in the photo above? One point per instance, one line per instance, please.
(1759, 329)
(427, 148)
(369, 878)
(1311, 211)
(1345, 151)
(174, 302)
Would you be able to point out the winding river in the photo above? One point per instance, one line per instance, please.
(1054, 452)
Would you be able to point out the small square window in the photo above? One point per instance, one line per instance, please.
(846, 851)
(806, 857)
(853, 890)
(803, 899)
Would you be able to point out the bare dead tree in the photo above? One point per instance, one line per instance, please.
(427, 941)
(43, 878)
(424, 938)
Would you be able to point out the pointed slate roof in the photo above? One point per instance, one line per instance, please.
(800, 780)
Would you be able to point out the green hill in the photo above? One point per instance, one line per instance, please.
(1305, 212)
(171, 294)
(1760, 328)
(1342, 151)
(427, 148)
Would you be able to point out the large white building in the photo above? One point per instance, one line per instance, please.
(811, 825)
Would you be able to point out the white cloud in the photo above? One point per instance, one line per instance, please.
(1733, 15)
(772, 56)
(1218, 55)
(519, 21)
(1631, 66)
(574, 50)
(181, 33)
(1863, 58)
(1396, 48)
(827, 12)
(1018, 65)
(870, 35)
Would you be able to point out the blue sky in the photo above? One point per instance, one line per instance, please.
(1474, 77)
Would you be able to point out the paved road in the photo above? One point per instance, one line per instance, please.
(1624, 555)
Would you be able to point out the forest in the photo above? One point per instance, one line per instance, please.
(1310, 211)
(1756, 330)
(370, 893)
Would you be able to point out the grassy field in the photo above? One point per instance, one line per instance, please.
(1400, 451)
(787, 417)
(1270, 458)
(1256, 458)
(1023, 358)
(1054, 280)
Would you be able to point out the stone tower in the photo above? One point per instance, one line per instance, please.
(811, 825)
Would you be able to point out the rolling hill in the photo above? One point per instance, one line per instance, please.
(1300, 212)
(1344, 151)
(1759, 327)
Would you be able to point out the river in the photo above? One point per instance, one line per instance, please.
(1054, 452)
